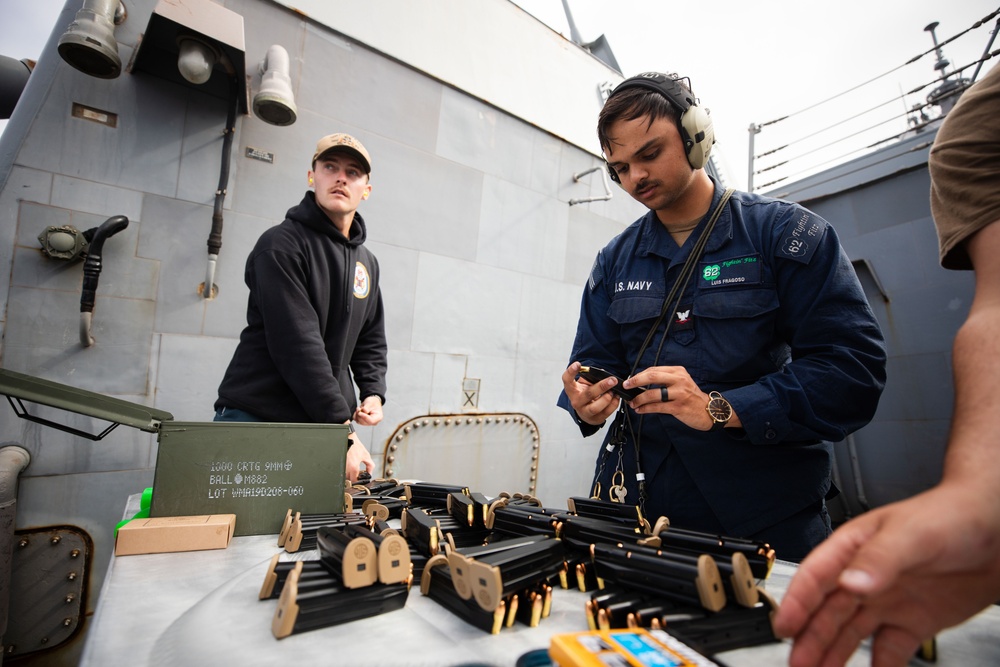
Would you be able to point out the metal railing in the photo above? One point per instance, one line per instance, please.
(816, 144)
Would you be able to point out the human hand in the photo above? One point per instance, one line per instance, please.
(369, 412)
(671, 391)
(899, 573)
(593, 403)
(357, 455)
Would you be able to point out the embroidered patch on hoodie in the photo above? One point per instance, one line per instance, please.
(362, 284)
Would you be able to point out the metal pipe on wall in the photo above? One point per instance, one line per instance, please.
(607, 186)
(215, 236)
(13, 460)
(92, 271)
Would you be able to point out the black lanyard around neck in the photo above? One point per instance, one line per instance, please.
(677, 291)
(673, 299)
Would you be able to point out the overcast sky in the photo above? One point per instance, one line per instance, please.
(749, 62)
(753, 62)
(24, 26)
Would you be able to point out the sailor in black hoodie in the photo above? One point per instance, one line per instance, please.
(314, 316)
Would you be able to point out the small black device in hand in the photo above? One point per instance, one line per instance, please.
(593, 375)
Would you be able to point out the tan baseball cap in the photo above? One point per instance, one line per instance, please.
(344, 142)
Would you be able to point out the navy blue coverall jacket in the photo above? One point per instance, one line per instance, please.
(774, 318)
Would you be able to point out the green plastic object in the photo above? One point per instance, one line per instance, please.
(141, 514)
(147, 497)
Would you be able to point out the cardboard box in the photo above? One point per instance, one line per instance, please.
(175, 533)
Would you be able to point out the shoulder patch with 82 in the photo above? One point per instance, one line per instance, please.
(801, 237)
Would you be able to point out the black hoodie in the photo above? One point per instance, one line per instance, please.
(314, 317)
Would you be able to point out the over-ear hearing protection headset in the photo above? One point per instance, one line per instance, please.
(694, 123)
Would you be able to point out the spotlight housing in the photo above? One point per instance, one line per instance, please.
(275, 102)
(89, 42)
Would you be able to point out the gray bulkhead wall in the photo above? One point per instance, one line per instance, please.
(483, 261)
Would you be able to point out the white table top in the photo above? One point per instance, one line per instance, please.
(202, 608)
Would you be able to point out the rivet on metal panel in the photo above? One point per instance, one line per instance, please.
(406, 429)
(535, 439)
(416, 424)
(533, 478)
(67, 622)
(41, 621)
(426, 422)
(389, 473)
(534, 468)
(447, 422)
(390, 459)
(399, 437)
(534, 457)
(489, 420)
(479, 420)
(393, 447)
(506, 420)
(437, 422)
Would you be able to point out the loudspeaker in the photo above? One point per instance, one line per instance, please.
(694, 124)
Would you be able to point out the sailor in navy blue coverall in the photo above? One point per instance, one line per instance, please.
(773, 318)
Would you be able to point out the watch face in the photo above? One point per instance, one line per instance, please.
(720, 409)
